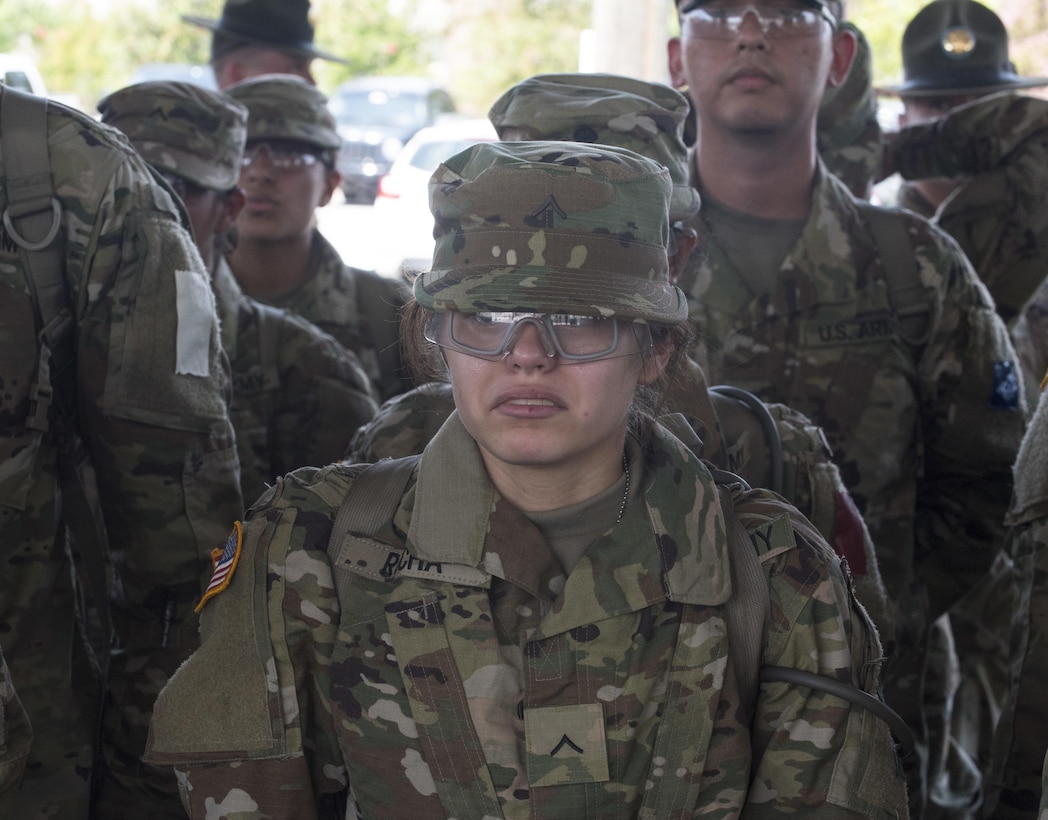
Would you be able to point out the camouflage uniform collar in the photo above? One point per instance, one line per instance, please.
(228, 297)
(453, 499)
(680, 520)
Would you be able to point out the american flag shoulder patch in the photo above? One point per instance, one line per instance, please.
(225, 560)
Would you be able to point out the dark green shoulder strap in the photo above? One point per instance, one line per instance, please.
(382, 318)
(32, 219)
(746, 618)
(749, 607)
(908, 296)
(370, 502)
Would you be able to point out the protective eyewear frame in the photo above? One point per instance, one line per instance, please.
(440, 330)
(777, 20)
(282, 156)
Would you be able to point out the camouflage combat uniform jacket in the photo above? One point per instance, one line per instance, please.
(472, 679)
(1027, 742)
(298, 395)
(151, 386)
(359, 308)
(937, 418)
(923, 413)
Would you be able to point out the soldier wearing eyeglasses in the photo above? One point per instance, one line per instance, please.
(904, 364)
(281, 258)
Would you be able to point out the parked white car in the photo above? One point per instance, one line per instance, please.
(401, 208)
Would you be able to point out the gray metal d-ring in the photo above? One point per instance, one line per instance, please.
(56, 222)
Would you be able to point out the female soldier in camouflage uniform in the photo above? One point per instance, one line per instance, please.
(540, 627)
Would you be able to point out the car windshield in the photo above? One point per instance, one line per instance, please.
(431, 154)
(378, 108)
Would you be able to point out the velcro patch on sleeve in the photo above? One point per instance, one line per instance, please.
(773, 536)
(225, 562)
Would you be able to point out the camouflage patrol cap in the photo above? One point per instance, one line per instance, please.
(551, 227)
(604, 108)
(286, 107)
(182, 128)
(957, 47)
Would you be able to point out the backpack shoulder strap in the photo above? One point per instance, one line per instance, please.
(749, 607)
(909, 298)
(381, 316)
(369, 504)
(32, 218)
(747, 613)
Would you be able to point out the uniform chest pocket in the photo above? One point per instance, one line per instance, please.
(859, 367)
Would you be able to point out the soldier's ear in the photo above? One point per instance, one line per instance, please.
(332, 179)
(233, 203)
(686, 239)
(844, 48)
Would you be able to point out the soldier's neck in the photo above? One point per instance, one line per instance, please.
(270, 268)
(758, 174)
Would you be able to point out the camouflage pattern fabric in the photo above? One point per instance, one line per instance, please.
(286, 107)
(183, 129)
(642, 116)
(1027, 742)
(359, 308)
(849, 135)
(16, 735)
(999, 146)
(1030, 337)
(567, 213)
(152, 412)
(405, 424)
(929, 428)
(470, 678)
(298, 395)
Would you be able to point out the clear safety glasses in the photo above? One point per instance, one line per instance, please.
(723, 20)
(570, 337)
(282, 156)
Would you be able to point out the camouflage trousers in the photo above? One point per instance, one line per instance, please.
(1023, 742)
(989, 629)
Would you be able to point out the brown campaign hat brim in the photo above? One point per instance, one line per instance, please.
(948, 86)
(255, 35)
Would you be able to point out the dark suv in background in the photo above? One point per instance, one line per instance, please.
(375, 117)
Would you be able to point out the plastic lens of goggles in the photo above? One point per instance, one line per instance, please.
(777, 20)
(283, 157)
(491, 335)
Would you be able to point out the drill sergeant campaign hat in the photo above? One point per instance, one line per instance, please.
(642, 116)
(551, 227)
(286, 107)
(283, 25)
(957, 47)
(183, 129)
(687, 5)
